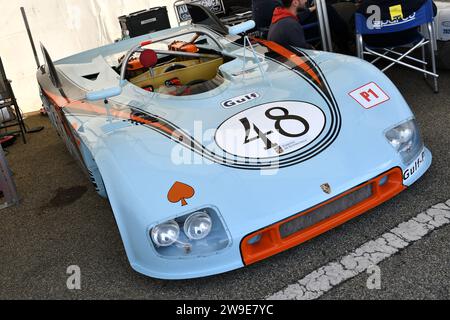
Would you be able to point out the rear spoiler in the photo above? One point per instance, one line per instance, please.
(53, 73)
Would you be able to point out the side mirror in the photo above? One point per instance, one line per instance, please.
(104, 94)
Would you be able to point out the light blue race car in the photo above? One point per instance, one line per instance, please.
(217, 151)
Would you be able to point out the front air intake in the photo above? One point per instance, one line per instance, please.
(312, 222)
(307, 220)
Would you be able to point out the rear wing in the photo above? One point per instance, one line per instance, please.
(53, 74)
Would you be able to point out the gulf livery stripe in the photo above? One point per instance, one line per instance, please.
(299, 62)
(81, 106)
(284, 55)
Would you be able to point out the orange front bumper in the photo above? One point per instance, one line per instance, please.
(275, 238)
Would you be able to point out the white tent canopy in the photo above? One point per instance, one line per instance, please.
(65, 27)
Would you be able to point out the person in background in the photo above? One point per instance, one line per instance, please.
(286, 29)
(263, 11)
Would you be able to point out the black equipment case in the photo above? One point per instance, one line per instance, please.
(144, 22)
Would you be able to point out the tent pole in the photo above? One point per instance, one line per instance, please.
(30, 36)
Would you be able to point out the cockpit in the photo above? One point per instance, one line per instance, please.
(181, 65)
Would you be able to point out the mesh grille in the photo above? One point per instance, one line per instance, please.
(326, 211)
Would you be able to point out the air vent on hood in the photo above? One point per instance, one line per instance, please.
(91, 77)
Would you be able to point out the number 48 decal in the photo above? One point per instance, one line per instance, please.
(278, 126)
(269, 130)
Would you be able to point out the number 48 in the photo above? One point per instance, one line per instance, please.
(278, 126)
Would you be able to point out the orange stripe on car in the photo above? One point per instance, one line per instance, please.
(299, 62)
(92, 108)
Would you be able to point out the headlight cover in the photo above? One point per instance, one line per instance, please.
(204, 233)
(166, 234)
(407, 140)
(198, 226)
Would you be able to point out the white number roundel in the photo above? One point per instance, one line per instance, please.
(271, 130)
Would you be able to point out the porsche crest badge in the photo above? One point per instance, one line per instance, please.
(326, 188)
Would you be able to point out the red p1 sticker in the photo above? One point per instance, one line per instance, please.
(370, 95)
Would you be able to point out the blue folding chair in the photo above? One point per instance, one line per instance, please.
(423, 16)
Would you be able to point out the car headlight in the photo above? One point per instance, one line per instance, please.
(407, 140)
(204, 234)
(166, 234)
(198, 226)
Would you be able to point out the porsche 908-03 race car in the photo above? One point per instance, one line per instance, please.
(217, 151)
